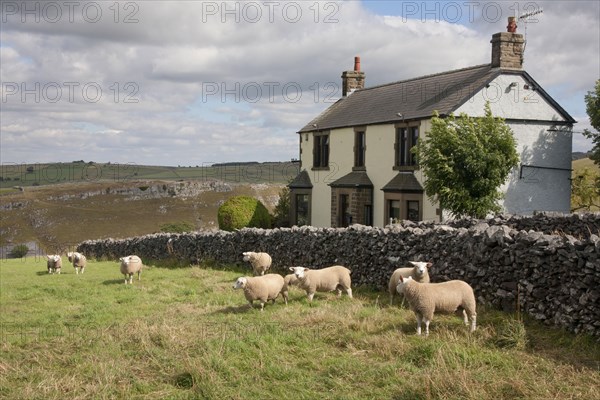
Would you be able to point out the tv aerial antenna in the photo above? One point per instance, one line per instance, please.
(527, 18)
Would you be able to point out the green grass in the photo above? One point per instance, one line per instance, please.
(183, 333)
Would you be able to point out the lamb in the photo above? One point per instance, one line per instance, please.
(419, 273)
(323, 280)
(260, 262)
(129, 266)
(54, 263)
(79, 261)
(261, 288)
(427, 298)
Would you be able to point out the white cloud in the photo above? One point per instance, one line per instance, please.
(179, 86)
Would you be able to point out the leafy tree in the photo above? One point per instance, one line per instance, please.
(243, 212)
(465, 160)
(592, 107)
(585, 191)
(281, 214)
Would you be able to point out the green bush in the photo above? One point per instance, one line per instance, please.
(243, 212)
(19, 251)
(177, 227)
(281, 214)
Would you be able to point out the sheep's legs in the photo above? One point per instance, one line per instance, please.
(465, 318)
(349, 292)
(310, 296)
(473, 322)
(427, 327)
(419, 320)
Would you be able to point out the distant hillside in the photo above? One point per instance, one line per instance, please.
(57, 217)
(582, 163)
(24, 175)
(578, 155)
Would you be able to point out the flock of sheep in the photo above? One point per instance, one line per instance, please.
(413, 283)
(130, 265)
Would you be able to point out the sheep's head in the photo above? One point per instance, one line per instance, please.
(249, 255)
(70, 256)
(240, 283)
(53, 258)
(299, 271)
(401, 282)
(420, 267)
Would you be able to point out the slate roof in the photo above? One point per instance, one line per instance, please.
(301, 181)
(415, 99)
(353, 179)
(404, 182)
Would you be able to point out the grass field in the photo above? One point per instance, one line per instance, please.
(185, 334)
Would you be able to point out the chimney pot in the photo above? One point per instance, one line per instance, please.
(512, 25)
(357, 63)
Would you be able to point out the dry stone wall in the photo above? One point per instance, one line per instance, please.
(553, 277)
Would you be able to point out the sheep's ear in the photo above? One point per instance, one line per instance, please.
(305, 269)
(414, 263)
(429, 264)
(292, 269)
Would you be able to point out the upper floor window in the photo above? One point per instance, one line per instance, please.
(406, 139)
(321, 151)
(360, 148)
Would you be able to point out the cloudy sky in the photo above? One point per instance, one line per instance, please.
(198, 82)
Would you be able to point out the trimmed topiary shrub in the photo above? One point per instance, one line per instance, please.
(243, 212)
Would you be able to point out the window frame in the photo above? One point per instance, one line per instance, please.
(405, 140)
(321, 150)
(360, 149)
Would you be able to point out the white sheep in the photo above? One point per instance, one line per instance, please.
(323, 280)
(131, 265)
(79, 261)
(419, 272)
(447, 297)
(260, 262)
(54, 263)
(261, 288)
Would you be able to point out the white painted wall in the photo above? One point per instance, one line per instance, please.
(540, 189)
(510, 102)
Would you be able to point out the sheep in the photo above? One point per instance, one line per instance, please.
(260, 262)
(323, 280)
(288, 280)
(419, 273)
(129, 266)
(54, 263)
(79, 261)
(426, 298)
(261, 288)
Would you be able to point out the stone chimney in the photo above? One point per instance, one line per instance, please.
(352, 80)
(507, 47)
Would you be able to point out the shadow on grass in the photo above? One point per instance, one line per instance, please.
(114, 281)
(235, 310)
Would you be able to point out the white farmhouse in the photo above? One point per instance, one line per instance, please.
(356, 164)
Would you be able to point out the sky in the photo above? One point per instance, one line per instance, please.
(198, 82)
